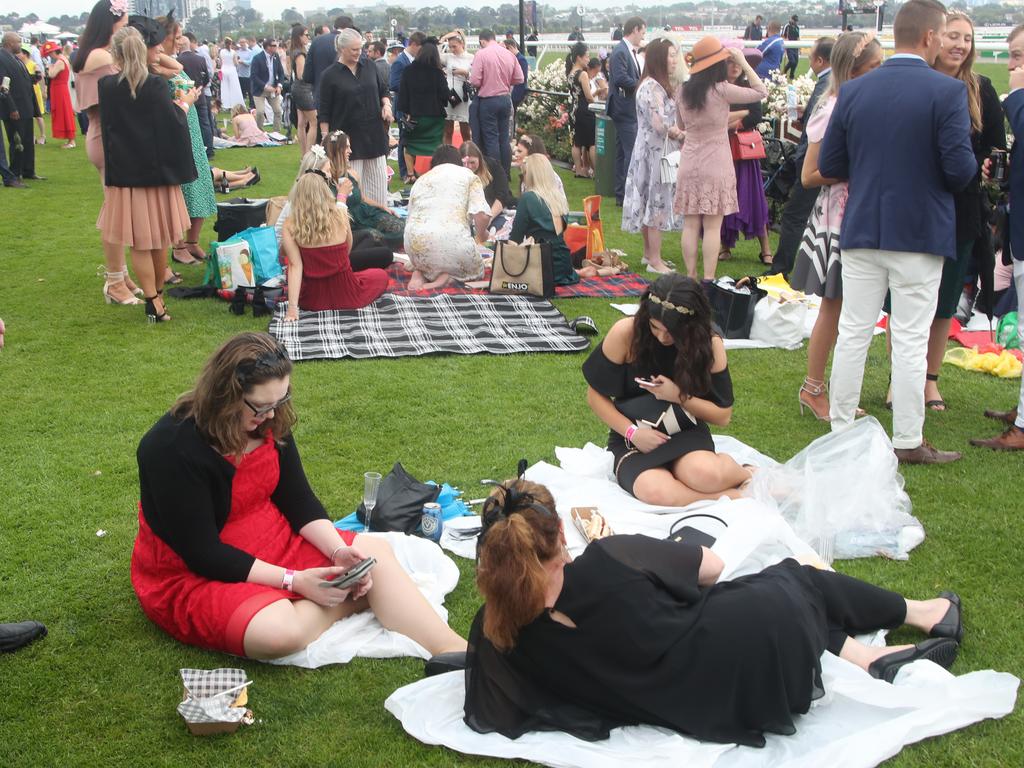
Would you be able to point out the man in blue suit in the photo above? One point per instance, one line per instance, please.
(266, 76)
(623, 79)
(1013, 438)
(404, 59)
(901, 136)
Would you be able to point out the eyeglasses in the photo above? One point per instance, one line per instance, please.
(264, 410)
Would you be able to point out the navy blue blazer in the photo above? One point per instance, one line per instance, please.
(395, 74)
(319, 58)
(902, 136)
(1014, 106)
(623, 78)
(260, 75)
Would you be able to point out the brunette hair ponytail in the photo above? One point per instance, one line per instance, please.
(520, 533)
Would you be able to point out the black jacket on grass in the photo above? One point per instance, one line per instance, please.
(145, 140)
(186, 496)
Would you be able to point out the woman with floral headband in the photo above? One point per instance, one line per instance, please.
(638, 630)
(233, 544)
(657, 380)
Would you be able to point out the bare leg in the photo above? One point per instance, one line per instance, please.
(712, 243)
(284, 627)
(400, 606)
(438, 282)
(577, 161)
(709, 472)
(937, 339)
(819, 347)
(416, 281)
(117, 289)
(591, 160)
(652, 248)
(766, 247)
(690, 238)
(449, 131)
(192, 239)
(410, 164)
(147, 270)
(464, 130)
(661, 488)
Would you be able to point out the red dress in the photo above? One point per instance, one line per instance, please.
(62, 114)
(215, 614)
(328, 281)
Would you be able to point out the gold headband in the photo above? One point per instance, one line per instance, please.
(669, 305)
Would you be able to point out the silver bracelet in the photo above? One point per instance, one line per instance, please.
(341, 546)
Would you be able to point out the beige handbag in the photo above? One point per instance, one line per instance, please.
(522, 269)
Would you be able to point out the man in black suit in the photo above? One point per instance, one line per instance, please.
(801, 200)
(266, 74)
(18, 109)
(195, 67)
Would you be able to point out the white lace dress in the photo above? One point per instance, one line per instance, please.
(647, 201)
(230, 87)
(706, 183)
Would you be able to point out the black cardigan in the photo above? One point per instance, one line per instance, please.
(186, 496)
(145, 140)
(971, 215)
(498, 189)
(423, 92)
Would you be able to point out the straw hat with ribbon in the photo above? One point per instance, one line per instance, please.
(705, 53)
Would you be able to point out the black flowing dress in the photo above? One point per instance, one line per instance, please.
(726, 663)
(617, 381)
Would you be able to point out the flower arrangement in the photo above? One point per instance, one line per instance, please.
(783, 92)
(548, 116)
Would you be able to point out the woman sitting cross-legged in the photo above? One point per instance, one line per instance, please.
(233, 543)
(317, 240)
(657, 380)
(541, 214)
(638, 630)
(438, 238)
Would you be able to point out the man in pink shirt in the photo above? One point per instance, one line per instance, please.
(494, 71)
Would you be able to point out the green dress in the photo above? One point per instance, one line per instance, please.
(365, 216)
(198, 194)
(533, 219)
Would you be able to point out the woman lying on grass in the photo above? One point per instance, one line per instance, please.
(637, 630)
(233, 543)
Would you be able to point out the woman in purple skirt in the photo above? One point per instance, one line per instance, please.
(752, 218)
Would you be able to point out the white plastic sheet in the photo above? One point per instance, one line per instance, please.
(362, 635)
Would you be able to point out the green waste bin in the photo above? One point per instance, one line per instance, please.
(604, 141)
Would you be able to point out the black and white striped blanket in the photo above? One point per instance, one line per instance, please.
(398, 326)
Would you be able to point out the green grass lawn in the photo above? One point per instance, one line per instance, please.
(80, 382)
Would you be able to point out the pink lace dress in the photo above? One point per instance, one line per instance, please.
(706, 183)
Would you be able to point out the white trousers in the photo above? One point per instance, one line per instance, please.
(913, 280)
(1018, 281)
(373, 178)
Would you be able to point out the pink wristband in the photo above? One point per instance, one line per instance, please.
(289, 577)
(630, 431)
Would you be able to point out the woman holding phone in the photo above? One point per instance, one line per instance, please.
(657, 380)
(233, 543)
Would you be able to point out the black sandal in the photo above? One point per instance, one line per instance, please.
(935, 405)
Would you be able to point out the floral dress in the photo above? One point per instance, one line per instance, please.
(437, 234)
(706, 182)
(198, 194)
(817, 268)
(647, 201)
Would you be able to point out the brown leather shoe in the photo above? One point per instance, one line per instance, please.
(1011, 440)
(1008, 416)
(925, 453)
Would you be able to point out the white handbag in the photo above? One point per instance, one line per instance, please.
(669, 164)
(779, 323)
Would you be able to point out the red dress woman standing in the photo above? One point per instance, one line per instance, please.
(62, 114)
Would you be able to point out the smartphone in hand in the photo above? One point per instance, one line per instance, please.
(352, 575)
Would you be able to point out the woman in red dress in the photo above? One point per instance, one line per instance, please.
(233, 543)
(317, 239)
(62, 114)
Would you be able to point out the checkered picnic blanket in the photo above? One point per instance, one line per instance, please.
(616, 286)
(210, 695)
(398, 326)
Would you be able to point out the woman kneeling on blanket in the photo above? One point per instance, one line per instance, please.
(637, 631)
(657, 380)
(233, 543)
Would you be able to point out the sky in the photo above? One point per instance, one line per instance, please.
(272, 8)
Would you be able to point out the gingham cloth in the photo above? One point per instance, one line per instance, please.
(206, 702)
(398, 326)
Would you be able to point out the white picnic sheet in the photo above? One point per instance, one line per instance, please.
(362, 635)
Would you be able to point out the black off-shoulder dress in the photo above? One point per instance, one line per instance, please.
(617, 381)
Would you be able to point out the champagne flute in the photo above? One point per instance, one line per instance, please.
(371, 483)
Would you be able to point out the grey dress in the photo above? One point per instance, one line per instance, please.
(647, 201)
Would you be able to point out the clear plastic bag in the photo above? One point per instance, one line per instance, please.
(844, 490)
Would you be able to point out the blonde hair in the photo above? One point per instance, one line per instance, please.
(314, 160)
(129, 52)
(239, 109)
(314, 212)
(966, 73)
(539, 177)
(851, 52)
(335, 144)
